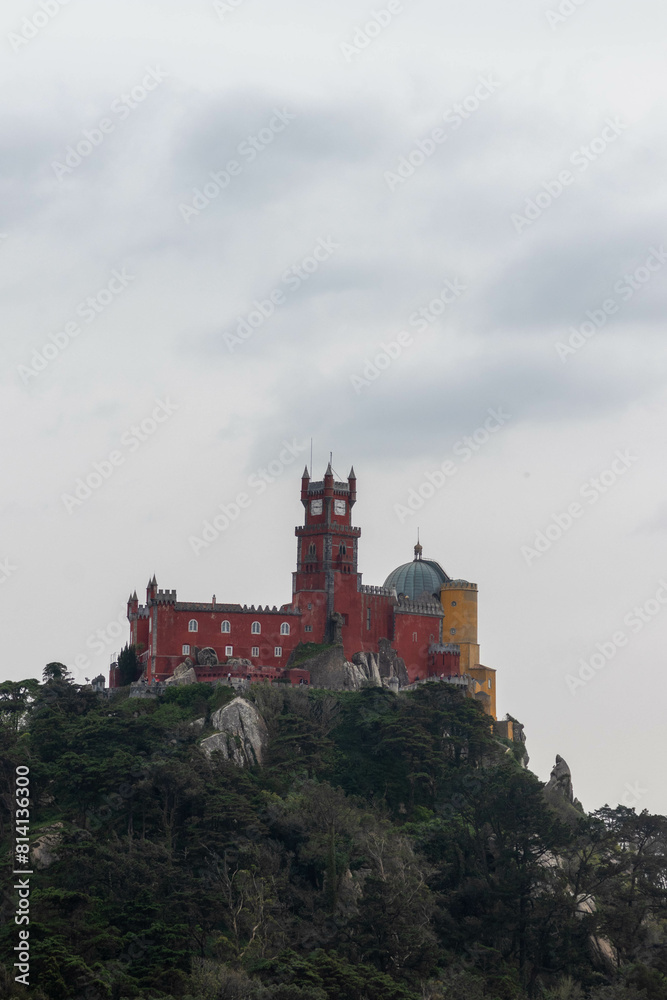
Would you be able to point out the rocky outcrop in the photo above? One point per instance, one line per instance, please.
(183, 674)
(237, 663)
(329, 669)
(44, 851)
(242, 735)
(603, 952)
(559, 792)
(391, 665)
(207, 657)
(368, 669)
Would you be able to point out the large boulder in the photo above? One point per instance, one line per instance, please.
(183, 674)
(237, 663)
(368, 664)
(207, 657)
(44, 850)
(242, 735)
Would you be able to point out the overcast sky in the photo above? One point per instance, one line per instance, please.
(500, 168)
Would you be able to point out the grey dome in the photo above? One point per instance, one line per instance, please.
(415, 577)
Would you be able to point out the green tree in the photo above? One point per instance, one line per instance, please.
(129, 666)
(56, 672)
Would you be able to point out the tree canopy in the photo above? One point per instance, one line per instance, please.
(391, 847)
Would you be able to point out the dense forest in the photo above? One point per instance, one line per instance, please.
(390, 847)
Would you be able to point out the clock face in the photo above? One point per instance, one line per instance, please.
(315, 506)
(339, 506)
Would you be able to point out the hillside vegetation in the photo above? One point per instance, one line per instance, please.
(389, 848)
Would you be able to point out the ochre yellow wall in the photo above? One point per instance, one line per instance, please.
(459, 612)
(486, 678)
(459, 606)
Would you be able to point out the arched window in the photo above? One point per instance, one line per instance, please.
(284, 628)
(192, 625)
(311, 549)
(255, 628)
(343, 549)
(225, 627)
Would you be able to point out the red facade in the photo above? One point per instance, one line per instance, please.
(329, 605)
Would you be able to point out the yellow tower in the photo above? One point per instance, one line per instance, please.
(459, 625)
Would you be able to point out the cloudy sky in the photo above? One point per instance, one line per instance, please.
(229, 227)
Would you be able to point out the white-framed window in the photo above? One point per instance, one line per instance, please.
(489, 683)
(226, 627)
(255, 628)
(284, 628)
(185, 650)
(308, 628)
(192, 625)
(278, 651)
(310, 607)
(229, 650)
(414, 636)
(255, 651)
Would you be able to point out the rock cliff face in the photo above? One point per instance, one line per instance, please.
(559, 792)
(242, 733)
(390, 663)
(330, 669)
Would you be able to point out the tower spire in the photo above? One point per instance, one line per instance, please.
(418, 548)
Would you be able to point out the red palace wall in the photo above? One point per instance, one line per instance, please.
(171, 632)
(413, 635)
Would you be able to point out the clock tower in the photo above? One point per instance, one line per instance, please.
(326, 574)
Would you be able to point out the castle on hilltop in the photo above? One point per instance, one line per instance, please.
(420, 621)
